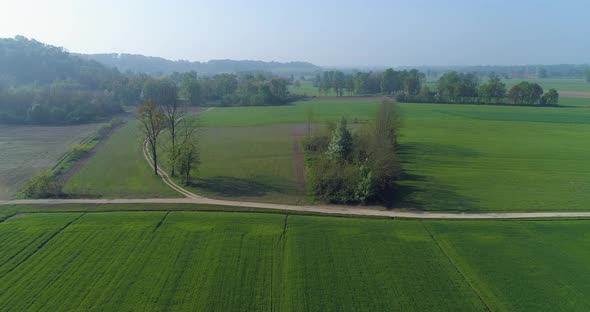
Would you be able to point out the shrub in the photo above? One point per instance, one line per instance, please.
(43, 185)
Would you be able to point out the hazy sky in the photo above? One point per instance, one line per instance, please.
(370, 32)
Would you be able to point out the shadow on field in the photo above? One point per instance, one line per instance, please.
(420, 192)
(234, 187)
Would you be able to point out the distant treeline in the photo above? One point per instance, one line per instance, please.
(451, 87)
(160, 66)
(512, 71)
(245, 89)
(43, 84)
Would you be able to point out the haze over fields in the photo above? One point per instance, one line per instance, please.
(326, 33)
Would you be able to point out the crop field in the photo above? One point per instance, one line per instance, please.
(118, 170)
(24, 150)
(219, 261)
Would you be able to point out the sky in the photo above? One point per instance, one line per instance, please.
(326, 33)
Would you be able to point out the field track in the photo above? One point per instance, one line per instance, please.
(327, 210)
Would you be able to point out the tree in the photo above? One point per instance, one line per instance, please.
(412, 80)
(382, 159)
(550, 98)
(190, 89)
(494, 88)
(587, 73)
(340, 146)
(187, 158)
(43, 185)
(152, 122)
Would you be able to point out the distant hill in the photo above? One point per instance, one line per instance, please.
(158, 65)
(27, 61)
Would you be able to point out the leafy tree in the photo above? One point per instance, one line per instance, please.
(152, 122)
(190, 89)
(494, 89)
(340, 147)
(412, 81)
(550, 98)
(43, 185)
(525, 93)
(587, 74)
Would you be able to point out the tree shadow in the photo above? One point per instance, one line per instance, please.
(235, 187)
(419, 192)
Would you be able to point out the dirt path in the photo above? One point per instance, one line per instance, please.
(328, 210)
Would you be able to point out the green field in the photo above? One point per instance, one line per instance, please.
(25, 150)
(565, 84)
(247, 163)
(118, 170)
(456, 157)
(219, 261)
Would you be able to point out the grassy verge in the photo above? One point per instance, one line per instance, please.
(119, 170)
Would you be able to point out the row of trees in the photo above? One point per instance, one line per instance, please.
(388, 82)
(356, 167)
(456, 87)
(235, 90)
(451, 87)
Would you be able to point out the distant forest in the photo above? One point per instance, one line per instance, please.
(160, 66)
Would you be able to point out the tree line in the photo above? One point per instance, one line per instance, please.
(242, 89)
(359, 166)
(451, 87)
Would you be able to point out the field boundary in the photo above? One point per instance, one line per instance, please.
(488, 308)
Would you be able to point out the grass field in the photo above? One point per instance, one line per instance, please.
(219, 261)
(247, 163)
(24, 150)
(456, 157)
(118, 170)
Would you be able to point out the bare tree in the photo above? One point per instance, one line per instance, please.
(152, 123)
(167, 94)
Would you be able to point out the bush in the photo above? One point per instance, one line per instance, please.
(43, 185)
